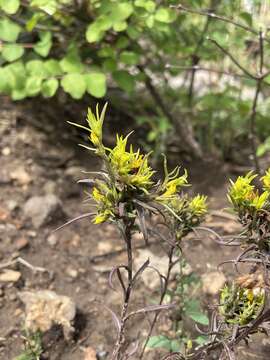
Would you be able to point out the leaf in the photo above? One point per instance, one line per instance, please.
(36, 68)
(148, 5)
(74, 84)
(121, 12)
(9, 31)
(124, 80)
(247, 17)
(202, 339)
(44, 45)
(96, 84)
(120, 26)
(5, 80)
(49, 87)
(10, 6)
(159, 341)
(48, 6)
(96, 30)
(71, 63)
(33, 85)
(165, 15)
(109, 65)
(53, 67)
(129, 58)
(12, 52)
(193, 310)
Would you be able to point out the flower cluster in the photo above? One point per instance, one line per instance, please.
(240, 305)
(129, 177)
(245, 197)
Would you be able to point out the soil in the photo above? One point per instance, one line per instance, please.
(39, 156)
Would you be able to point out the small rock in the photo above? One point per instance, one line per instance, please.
(43, 210)
(149, 276)
(212, 282)
(10, 276)
(12, 205)
(4, 177)
(90, 354)
(21, 176)
(52, 239)
(50, 187)
(21, 243)
(45, 308)
(72, 273)
(6, 151)
(18, 312)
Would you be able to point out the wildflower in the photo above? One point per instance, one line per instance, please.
(266, 180)
(130, 167)
(242, 191)
(197, 205)
(259, 201)
(172, 184)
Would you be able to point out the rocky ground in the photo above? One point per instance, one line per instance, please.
(63, 276)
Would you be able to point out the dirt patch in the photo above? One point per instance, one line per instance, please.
(40, 159)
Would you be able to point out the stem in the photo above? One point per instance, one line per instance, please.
(252, 127)
(167, 280)
(125, 228)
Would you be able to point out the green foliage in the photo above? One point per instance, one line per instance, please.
(91, 47)
(240, 305)
(32, 347)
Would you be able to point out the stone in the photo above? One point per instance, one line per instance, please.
(212, 282)
(73, 273)
(43, 210)
(52, 239)
(6, 151)
(21, 176)
(21, 243)
(89, 354)
(45, 308)
(8, 275)
(149, 277)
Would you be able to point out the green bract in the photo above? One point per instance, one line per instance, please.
(128, 181)
(240, 305)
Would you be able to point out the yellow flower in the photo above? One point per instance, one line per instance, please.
(171, 186)
(266, 180)
(259, 200)
(198, 205)
(242, 191)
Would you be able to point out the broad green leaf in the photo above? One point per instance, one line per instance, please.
(110, 65)
(74, 84)
(165, 15)
(146, 4)
(121, 12)
(36, 68)
(129, 58)
(48, 6)
(18, 94)
(200, 340)
(10, 6)
(122, 42)
(33, 85)
(124, 80)
(53, 67)
(120, 26)
(31, 24)
(6, 80)
(49, 87)
(96, 84)
(159, 341)
(96, 30)
(12, 52)
(133, 32)
(9, 30)
(43, 46)
(18, 72)
(71, 63)
(193, 310)
(247, 17)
